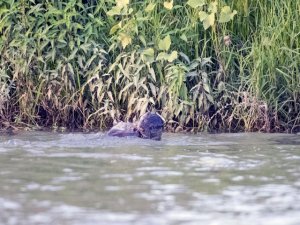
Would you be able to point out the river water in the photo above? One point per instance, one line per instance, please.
(211, 179)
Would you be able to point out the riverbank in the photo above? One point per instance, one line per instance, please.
(216, 67)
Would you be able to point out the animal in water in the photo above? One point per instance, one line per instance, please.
(150, 126)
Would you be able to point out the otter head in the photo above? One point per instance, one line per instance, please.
(151, 126)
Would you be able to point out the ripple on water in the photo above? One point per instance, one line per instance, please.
(83, 155)
(36, 142)
(159, 171)
(47, 188)
(167, 182)
(247, 200)
(8, 205)
(214, 161)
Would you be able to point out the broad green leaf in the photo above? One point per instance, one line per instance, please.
(202, 15)
(125, 39)
(149, 52)
(209, 21)
(172, 56)
(114, 11)
(196, 3)
(115, 28)
(213, 7)
(148, 55)
(168, 5)
(165, 43)
(122, 3)
(150, 7)
(226, 14)
(162, 56)
(165, 56)
(183, 37)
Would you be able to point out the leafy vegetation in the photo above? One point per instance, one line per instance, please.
(227, 65)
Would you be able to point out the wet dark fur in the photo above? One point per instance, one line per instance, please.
(150, 126)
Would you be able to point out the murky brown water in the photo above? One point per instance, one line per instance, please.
(49, 178)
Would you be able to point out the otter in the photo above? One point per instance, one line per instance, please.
(150, 126)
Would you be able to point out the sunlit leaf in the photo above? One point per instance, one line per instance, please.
(140, 17)
(168, 5)
(130, 10)
(150, 7)
(162, 56)
(169, 57)
(148, 55)
(172, 56)
(114, 11)
(183, 37)
(165, 43)
(226, 14)
(148, 51)
(209, 21)
(202, 15)
(213, 7)
(122, 3)
(196, 3)
(115, 28)
(125, 39)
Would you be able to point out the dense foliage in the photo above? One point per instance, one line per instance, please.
(204, 65)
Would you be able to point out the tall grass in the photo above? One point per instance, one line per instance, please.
(84, 64)
(269, 65)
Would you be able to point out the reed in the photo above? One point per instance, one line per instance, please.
(201, 64)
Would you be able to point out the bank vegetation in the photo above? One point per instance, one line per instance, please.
(223, 66)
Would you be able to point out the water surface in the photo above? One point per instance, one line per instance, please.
(75, 178)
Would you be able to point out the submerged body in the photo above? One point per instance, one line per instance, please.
(150, 126)
(123, 129)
